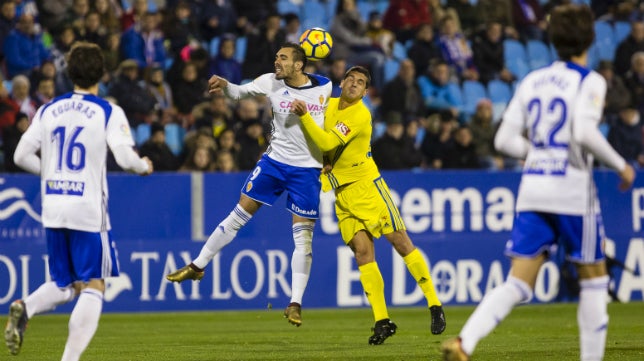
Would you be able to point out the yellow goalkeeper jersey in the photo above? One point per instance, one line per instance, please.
(351, 160)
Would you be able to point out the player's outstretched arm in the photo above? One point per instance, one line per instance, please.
(127, 159)
(323, 139)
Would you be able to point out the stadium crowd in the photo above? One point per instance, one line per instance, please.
(442, 71)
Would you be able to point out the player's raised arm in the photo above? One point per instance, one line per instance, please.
(260, 86)
(323, 139)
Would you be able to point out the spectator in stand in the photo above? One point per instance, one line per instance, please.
(63, 42)
(76, 16)
(45, 91)
(200, 159)
(336, 73)
(109, 11)
(20, 95)
(403, 17)
(52, 12)
(94, 31)
(143, 42)
(134, 14)
(483, 130)
(213, 114)
(8, 108)
(111, 52)
(156, 149)
(618, 96)
(438, 140)
(292, 28)
(462, 154)
(188, 92)
(468, 15)
(625, 135)
(456, 51)
(424, 49)
(385, 38)
(489, 54)
(137, 102)
(498, 11)
(402, 94)
(529, 20)
(434, 88)
(225, 162)
(226, 142)
(23, 48)
(217, 18)
(262, 46)
(394, 149)
(10, 137)
(198, 56)
(350, 42)
(249, 134)
(157, 86)
(629, 46)
(224, 64)
(181, 29)
(199, 137)
(250, 13)
(635, 81)
(7, 22)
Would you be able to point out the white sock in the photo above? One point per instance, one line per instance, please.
(494, 307)
(222, 235)
(47, 297)
(83, 323)
(301, 259)
(592, 318)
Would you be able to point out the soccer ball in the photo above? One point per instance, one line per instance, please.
(317, 43)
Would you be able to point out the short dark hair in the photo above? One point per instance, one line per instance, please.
(571, 30)
(359, 69)
(298, 53)
(85, 64)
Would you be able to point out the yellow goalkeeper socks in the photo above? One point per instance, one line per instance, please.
(418, 268)
(374, 288)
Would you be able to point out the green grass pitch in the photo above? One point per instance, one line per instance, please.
(533, 332)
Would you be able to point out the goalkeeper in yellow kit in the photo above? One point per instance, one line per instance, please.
(364, 205)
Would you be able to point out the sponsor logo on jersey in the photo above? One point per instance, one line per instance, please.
(312, 108)
(65, 187)
(286, 92)
(342, 128)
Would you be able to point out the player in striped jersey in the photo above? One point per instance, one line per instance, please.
(290, 164)
(364, 205)
(559, 107)
(72, 134)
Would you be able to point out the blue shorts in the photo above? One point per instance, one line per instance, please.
(80, 256)
(536, 232)
(271, 178)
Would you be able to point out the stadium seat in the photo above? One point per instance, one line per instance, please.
(604, 128)
(213, 47)
(314, 14)
(174, 134)
(473, 91)
(8, 85)
(364, 8)
(240, 49)
(391, 69)
(500, 93)
(399, 51)
(457, 94)
(142, 133)
(286, 6)
(516, 58)
(605, 40)
(593, 56)
(621, 30)
(538, 54)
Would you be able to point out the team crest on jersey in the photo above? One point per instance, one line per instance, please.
(342, 128)
(249, 186)
(321, 99)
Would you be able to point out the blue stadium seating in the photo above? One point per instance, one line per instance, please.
(399, 51)
(516, 58)
(500, 93)
(286, 6)
(314, 14)
(621, 29)
(473, 91)
(605, 40)
(240, 49)
(391, 69)
(213, 47)
(174, 134)
(538, 54)
(142, 133)
(457, 94)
